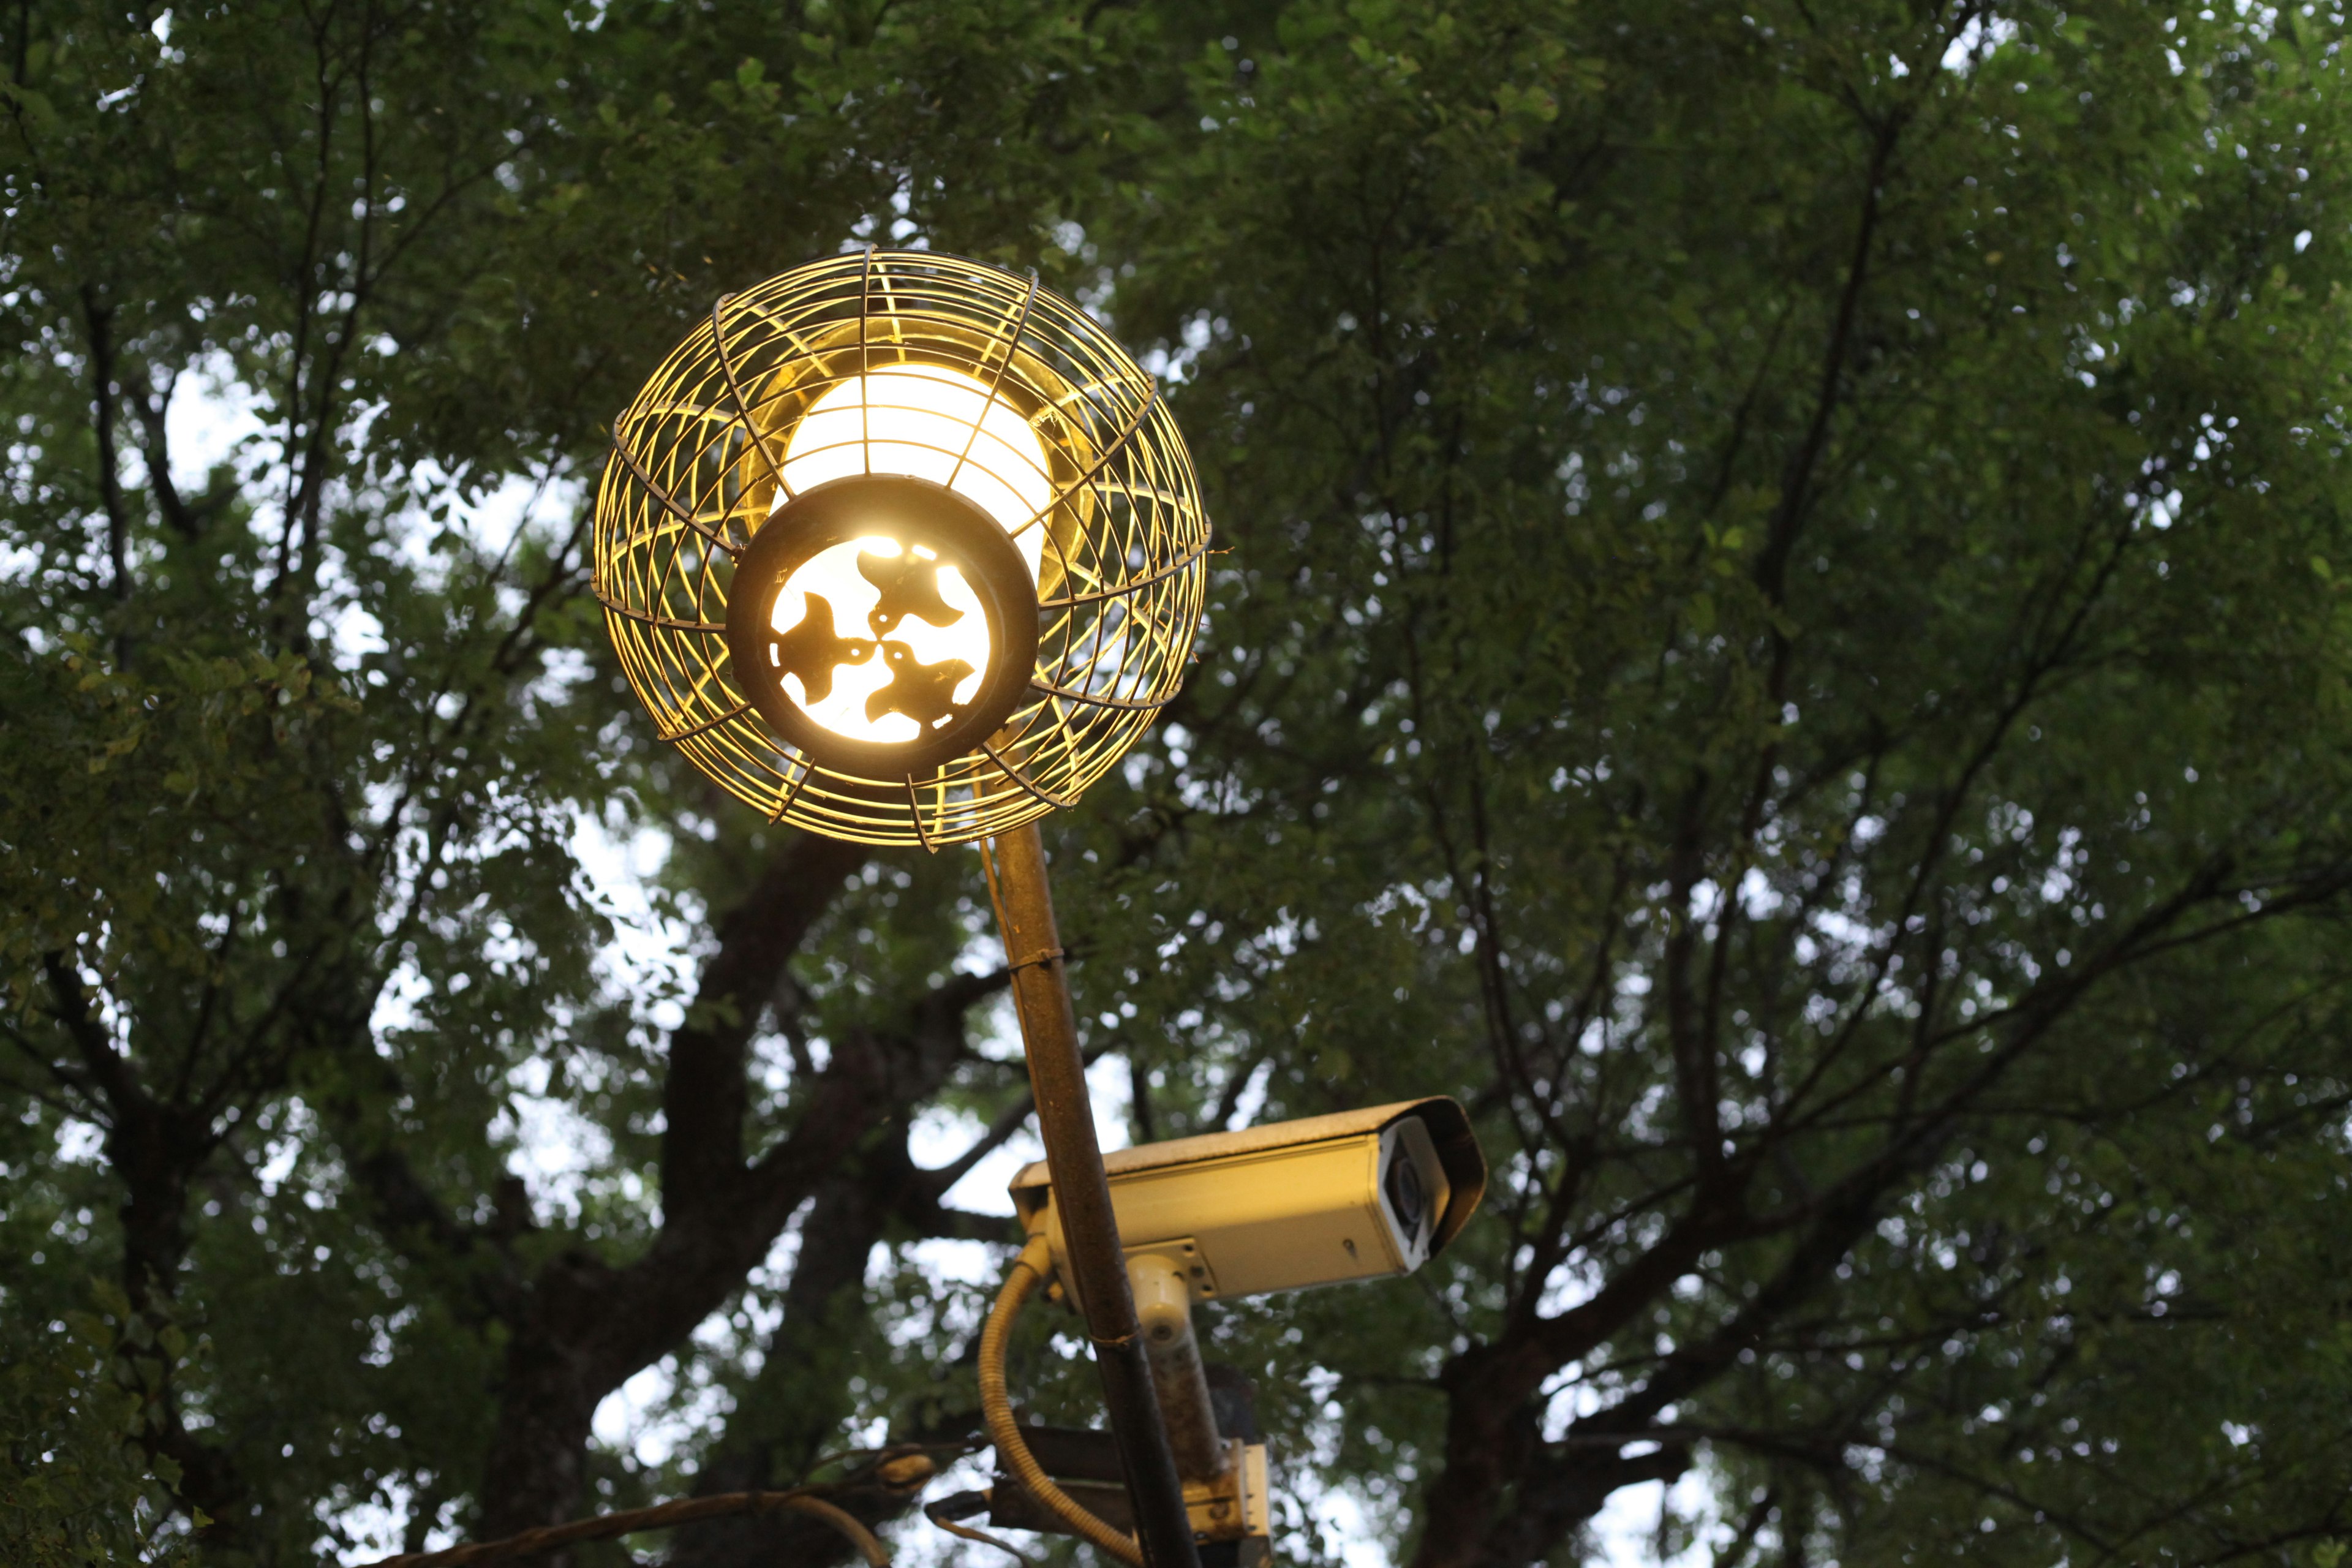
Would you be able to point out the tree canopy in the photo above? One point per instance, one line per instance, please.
(1780, 632)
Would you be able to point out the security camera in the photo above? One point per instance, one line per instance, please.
(1320, 1201)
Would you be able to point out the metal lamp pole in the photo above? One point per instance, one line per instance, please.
(1041, 992)
(720, 517)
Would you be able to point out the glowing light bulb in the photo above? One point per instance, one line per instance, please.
(919, 420)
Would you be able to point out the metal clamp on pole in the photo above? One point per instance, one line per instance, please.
(1066, 1120)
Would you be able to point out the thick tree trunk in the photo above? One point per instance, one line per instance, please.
(155, 1151)
(802, 1395)
(155, 1148)
(589, 1326)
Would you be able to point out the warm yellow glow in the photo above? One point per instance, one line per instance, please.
(918, 419)
(892, 664)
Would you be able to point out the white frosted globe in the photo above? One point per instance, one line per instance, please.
(934, 424)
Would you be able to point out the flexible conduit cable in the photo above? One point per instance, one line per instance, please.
(996, 1408)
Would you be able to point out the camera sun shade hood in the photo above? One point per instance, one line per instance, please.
(1448, 1125)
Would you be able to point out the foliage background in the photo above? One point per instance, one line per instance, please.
(1782, 635)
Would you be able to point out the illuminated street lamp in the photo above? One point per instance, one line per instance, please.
(901, 548)
(905, 549)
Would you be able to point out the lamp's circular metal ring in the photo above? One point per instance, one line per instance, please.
(1046, 440)
(922, 516)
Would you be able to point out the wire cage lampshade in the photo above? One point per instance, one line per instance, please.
(901, 548)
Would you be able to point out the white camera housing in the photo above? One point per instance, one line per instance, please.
(1321, 1201)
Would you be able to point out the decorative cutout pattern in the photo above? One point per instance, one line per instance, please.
(815, 648)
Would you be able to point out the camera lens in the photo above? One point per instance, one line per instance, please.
(1404, 1190)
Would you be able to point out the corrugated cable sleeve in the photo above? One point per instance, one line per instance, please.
(996, 1408)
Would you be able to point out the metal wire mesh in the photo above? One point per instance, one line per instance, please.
(837, 368)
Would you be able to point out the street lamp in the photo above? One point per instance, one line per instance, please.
(905, 549)
(901, 548)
